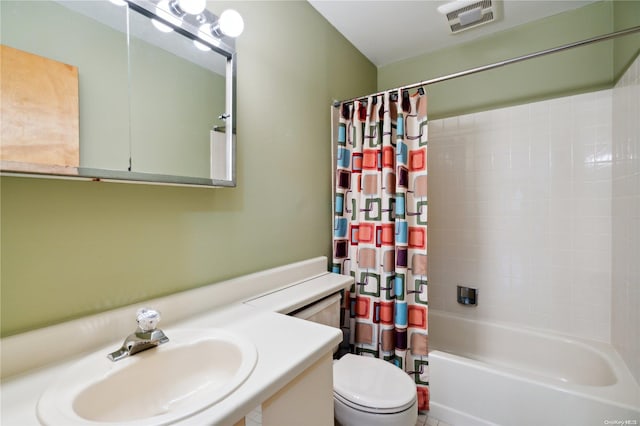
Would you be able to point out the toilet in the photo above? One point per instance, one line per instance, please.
(370, 391)
(367, 391)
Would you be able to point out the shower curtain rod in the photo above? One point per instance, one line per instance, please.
(503, 63)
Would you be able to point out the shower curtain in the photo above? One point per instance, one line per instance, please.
(380, 229)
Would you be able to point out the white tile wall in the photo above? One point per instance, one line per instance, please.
(625, 330)
(520, 207)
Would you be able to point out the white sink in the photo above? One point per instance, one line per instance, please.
(194, 370)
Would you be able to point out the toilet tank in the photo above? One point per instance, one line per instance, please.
(325, 311)
(316, 299)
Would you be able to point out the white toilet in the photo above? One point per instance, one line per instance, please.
(372, 392)
(367, 391)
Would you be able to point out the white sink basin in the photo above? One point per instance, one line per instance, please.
(193, 371)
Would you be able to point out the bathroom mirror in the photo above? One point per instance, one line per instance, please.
(122, 99)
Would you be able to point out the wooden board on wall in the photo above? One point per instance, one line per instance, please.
(39, 110)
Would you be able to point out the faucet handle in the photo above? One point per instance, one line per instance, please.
(147, 319)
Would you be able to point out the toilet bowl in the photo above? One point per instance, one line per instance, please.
(372, 392)
(367, 391)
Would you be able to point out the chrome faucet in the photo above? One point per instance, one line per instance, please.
(146, 336)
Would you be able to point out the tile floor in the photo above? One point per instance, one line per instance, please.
(425, 420)
(254, 418)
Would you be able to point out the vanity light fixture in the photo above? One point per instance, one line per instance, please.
(161, 27)
(201, 46)
(192, 16)
(162, 10)
(192, 7)
(229, 24)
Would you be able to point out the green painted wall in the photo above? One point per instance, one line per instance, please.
(626, 14)
(570, 72)
(71, 248)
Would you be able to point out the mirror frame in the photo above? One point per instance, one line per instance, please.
(188, 28)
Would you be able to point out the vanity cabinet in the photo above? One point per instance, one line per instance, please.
(306, 400)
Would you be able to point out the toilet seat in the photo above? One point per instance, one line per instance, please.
(371, 410)
(372, 385)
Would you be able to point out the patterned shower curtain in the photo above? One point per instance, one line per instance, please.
(380, 229)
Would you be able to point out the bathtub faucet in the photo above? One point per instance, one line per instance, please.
(146, 336)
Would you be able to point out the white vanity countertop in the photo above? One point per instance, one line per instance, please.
(286, 347)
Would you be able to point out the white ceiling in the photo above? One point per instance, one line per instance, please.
(387, 31)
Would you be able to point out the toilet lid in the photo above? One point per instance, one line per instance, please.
(373, 383)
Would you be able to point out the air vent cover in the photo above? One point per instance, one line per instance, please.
(466, 14)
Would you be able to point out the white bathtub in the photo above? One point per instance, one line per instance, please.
(483, 373)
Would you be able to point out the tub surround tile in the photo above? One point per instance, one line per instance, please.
(538, 206)
(625, 297)
(523, 213)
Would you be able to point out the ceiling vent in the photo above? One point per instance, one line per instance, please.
(466, 14)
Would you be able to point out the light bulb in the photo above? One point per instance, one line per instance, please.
(193, 7)
(205, 29)
(205, 32)
(201, 46)
(231, 23)
(161, 27)
(162, 10)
